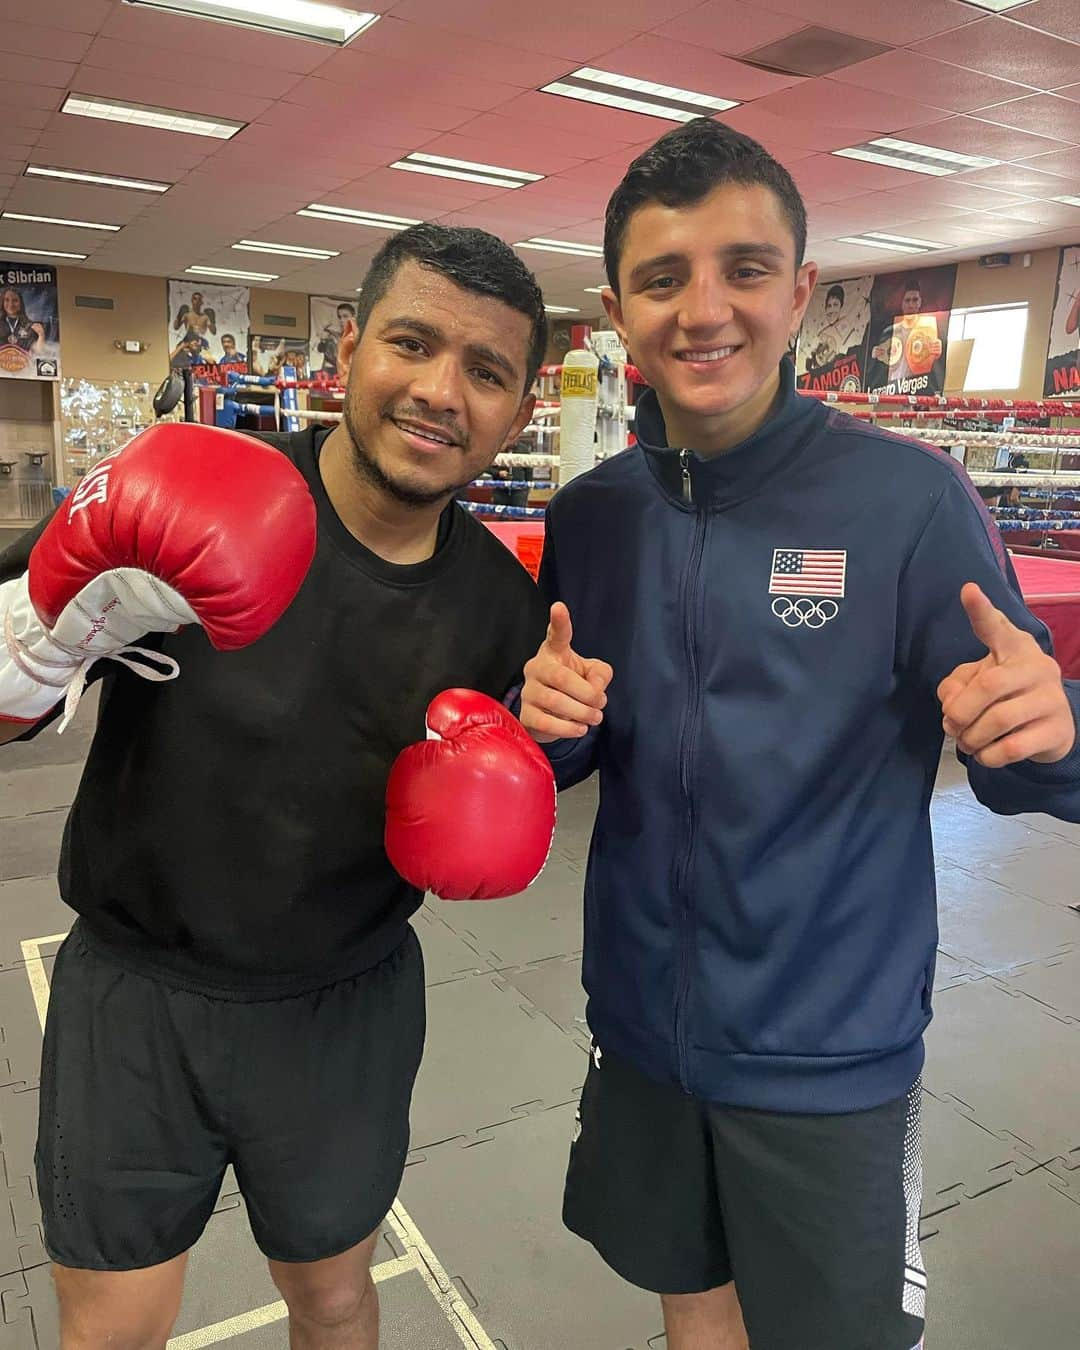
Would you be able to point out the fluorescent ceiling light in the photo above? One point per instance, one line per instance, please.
(100, 179)
(289, 250)
(296, 18)
(894, 243)
(58, 220)
(345, 215)
(561, 309)
(642, 96)
(465, 169)
(43, 252)
(929, 159)
(1067, 200)
(997, 6)
(230, 272)
(595, 290)
(563, 246)
(146, 115)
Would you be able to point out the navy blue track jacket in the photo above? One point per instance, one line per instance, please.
(760, 909)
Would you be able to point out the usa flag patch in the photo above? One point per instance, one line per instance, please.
(807, 571)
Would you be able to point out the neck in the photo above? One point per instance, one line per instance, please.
(710, 436)
(394, 531)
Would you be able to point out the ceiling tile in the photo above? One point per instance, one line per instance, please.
(134, 152)
(1022, 178)
(77, 201)
(36, 70)
(897, 22)
(179, 34)
(1042, 114)
(956, 193)
(1071, 91)
(563, 28)
(827, 178)
(77, 16)
(1061, 17)
(370, 73)
(1044, 213)
(1063, 163)
(409, 194)
(970, 136)
(16, 94)
(778, 134)
(500, 138)
(729, 26)
(998, 47)
(825, 100)
(593, 125)
(410, 115)
(133, 85)
(242, 77)
(31, 39)
(687, 66)
(460, 54)
(922, 78)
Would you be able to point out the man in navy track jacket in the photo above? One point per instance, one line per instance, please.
(784, 608)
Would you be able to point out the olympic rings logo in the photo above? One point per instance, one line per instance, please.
(804, 612)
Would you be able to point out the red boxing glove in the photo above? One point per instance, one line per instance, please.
(470, 813)
(186, 524)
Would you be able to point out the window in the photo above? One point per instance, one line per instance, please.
(998, 335)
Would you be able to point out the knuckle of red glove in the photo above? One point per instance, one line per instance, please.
(470, 815)
(225, 520)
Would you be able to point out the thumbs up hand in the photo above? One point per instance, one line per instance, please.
(564, 693)
(1011, 705)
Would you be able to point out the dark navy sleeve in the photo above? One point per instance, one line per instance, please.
(572, 759)
(961, 543)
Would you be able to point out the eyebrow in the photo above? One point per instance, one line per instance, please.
(740, 250)
(477, 349)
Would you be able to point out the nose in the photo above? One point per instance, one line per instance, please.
(439, 384)
(706, 305)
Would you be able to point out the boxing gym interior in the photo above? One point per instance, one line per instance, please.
(189, 196)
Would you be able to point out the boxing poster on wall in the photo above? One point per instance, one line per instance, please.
(208, 330)
(1063, 352)
(832, 340)
(327, 317)
(270, 354)
(909, 326)
(30, 327)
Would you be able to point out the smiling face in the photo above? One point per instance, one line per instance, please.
(13, 304)
(709, 295)
(833, 306)
(435, 385)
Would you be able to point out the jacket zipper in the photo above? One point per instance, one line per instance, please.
(686, 757)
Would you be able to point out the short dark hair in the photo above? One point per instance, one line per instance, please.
(912, 284)
(683, 167)
(834, 293)
(474, 260)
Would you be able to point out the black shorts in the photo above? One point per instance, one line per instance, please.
(149, 1090)
(814, 1217)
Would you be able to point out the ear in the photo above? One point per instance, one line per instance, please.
(347, 345)
(613, 309)
(805, 281)
(520, 422)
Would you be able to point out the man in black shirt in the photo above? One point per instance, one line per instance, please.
(242, 984)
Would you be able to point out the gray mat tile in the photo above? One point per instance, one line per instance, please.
(1051, 874)
(546, 920)
(487, 1053)
(961, 1159)
(1002, 1271)
(981, 921)
(968, 835)
(30, 845)
(555, 988)
(45, 787)
(492, 1212)
(30, 907)
(1009, 1063)
(446, 955)
(1055, 983)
